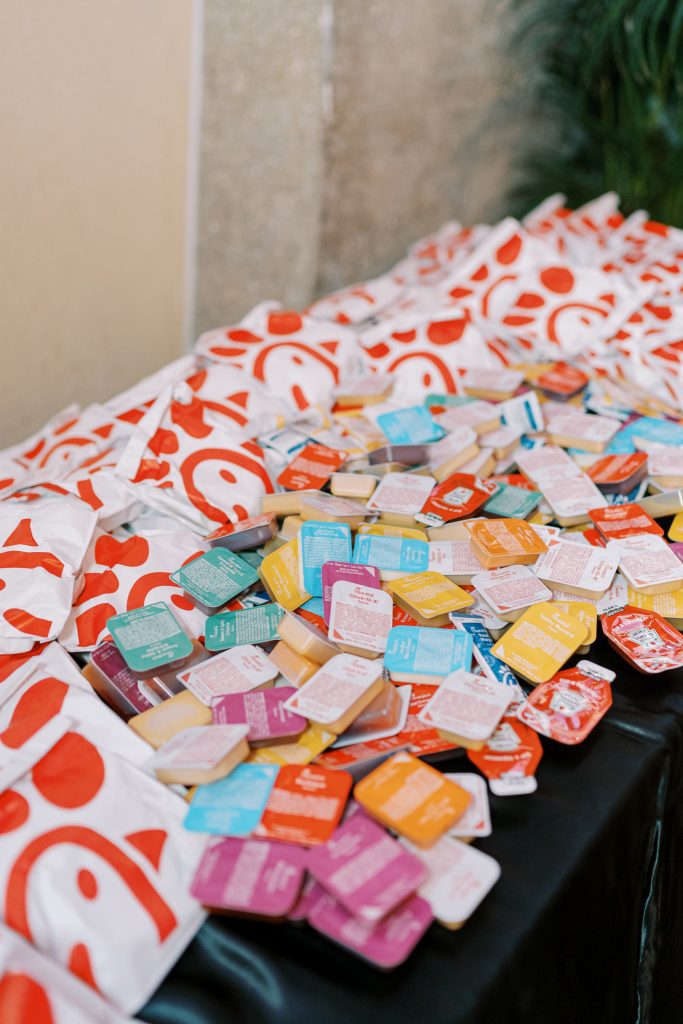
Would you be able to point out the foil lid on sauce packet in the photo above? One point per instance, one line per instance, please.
(617, 474)
(577, 568)
(457, 497)
(648, 564)
(305, 805)
(645, 639)
(367, 871)
(510, 590)
(249, 533)
(338, 692)
(501, 542)
(475, 823)
(539, 643)
(617, 521)
(510, 758)
(332, 572)
(232, 806)
(568, 707)
(311, 468)
(256, 625)
(412, 798)
(321, 542)
(466, 708)
(385, 945)
(250, 877)
(391, 554)
(459, 877)
(214, 578)
(360, 616)
(237, 670)
(422, 654)
(401, 493)
(263, 712)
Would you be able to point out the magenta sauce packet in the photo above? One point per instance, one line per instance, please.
(677, 549)
(250, 876)
(365, 870)
(366, 575)
(388, 944)
(262, 710)
(309, 895)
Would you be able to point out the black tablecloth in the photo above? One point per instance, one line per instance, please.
(581, 927)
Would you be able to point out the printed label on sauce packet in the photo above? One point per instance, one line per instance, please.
(256, 625)
(305, 805)
(150, 637)
(321, 542)
(395, 554)
(402, 493)
(236, 670)
(249, 876)
(311, 468)
(332, 572)
(215, 577)
(360, 616)
(422, 650)
(232, 806)
(367, 871)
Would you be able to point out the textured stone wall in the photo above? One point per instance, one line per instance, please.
(335, 132)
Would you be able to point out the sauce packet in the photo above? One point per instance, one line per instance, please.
(311, 468)
(459, 877)
(510, 758)
(418, 654)
(387, 944)
(360, 617)
(539, 643)
(232, 806)
(305, 805)
(250, 877)
(466, 709)
(321, 542)
(263, 712)
(214, 578)
(510, 590)
(236, 670)
(568, 707)
(366, 871)
(645, 639)
(257, 625)
(412, 798)
(338, 692)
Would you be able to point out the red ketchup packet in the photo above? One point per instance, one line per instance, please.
(568, 707)
(645, 639)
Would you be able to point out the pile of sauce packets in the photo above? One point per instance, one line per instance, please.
(314, 567)
(388, 607)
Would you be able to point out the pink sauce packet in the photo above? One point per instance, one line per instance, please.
(388, 944)
(365, 870)
(250, 876)
(263, 712)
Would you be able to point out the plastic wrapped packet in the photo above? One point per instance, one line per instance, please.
(265, 341)
(41, 551)
(121, 573)
(34, 989)
(95, 880)
(178, 462)
(357, 302)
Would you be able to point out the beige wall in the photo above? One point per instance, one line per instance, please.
(94, 111)
(333, 133)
